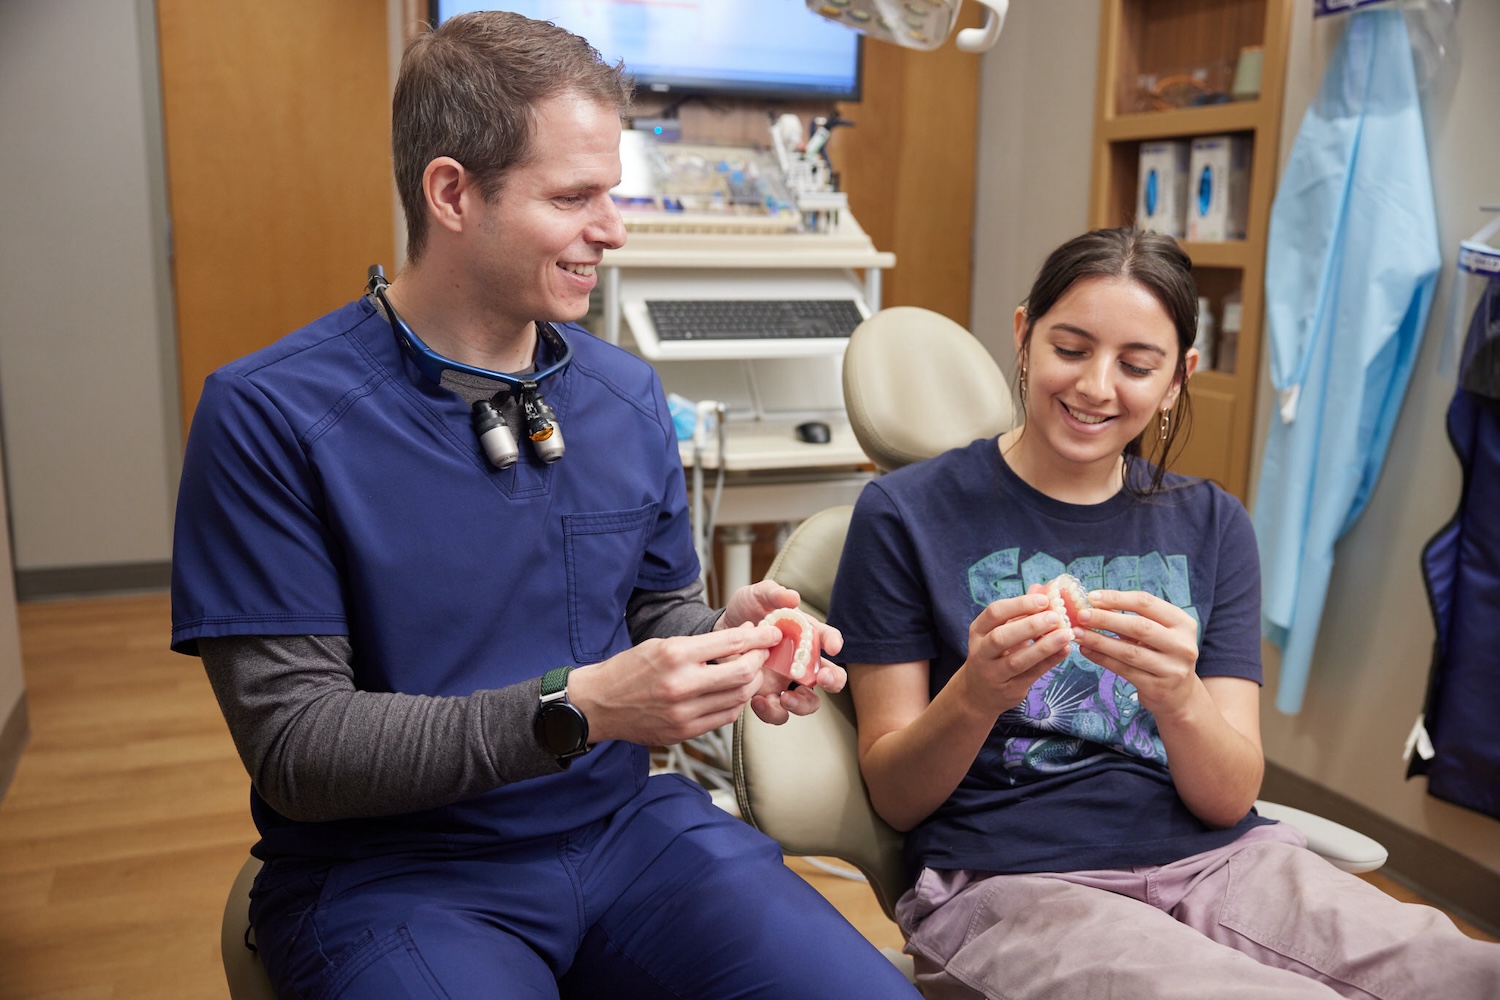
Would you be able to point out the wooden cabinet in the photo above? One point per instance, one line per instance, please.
(1157, 58)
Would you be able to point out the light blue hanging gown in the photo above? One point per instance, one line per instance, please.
(1351, 268)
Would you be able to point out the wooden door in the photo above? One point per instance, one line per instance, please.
(277, 122)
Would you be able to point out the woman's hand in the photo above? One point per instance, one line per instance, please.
(1154, 647)
(1012, 642)
(1209, 727)
(916, 747)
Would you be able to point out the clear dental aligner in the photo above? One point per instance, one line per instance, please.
(1067, 597)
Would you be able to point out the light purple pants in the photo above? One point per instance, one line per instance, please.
(1261, 917)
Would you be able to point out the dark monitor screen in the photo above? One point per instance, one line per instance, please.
(738, 48)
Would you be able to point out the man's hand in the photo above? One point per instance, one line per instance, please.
(665, 691)
(774, 702)
(752, 604)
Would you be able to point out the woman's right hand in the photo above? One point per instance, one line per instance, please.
(915, 749)
(1012, 642)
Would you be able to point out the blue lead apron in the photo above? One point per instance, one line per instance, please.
(1461, 568)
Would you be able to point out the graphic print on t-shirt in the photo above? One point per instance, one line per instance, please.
(1078, 711)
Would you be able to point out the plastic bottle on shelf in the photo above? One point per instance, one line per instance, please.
(1229, 333)
(1205, 339)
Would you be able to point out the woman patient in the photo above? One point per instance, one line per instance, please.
(1076, 777)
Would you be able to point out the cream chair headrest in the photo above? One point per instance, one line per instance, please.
(916, 384)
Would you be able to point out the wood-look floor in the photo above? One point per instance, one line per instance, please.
(128, 816)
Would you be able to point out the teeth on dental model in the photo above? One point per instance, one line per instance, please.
(800, 651)
(1067, 597)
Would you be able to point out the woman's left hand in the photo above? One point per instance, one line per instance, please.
(1154, 646)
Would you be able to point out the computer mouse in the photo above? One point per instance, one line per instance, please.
(814, 432)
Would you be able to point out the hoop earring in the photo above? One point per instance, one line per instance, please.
(1023, 387)
(1165, 424)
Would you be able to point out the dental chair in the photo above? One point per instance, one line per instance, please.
(915, 384)
(242, 967)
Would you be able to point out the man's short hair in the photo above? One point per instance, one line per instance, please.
(469, 89)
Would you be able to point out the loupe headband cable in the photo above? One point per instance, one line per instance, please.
(432, 364)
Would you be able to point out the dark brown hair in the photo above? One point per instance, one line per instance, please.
(469, 89)
(1159, 265)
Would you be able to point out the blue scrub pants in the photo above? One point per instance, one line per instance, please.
(669, 897)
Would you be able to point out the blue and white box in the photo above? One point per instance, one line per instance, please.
(1162, 189)
(1218, 187)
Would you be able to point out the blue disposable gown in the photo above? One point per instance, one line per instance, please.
(1351, 267)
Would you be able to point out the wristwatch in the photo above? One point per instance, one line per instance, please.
(560, 727)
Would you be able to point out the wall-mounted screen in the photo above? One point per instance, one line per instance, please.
(739, 48)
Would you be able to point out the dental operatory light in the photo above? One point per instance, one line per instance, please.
(915, 24)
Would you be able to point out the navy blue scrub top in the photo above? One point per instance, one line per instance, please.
(330, 489)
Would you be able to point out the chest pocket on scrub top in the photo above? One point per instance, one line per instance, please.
(603, 552)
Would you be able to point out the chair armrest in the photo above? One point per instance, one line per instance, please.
(1340, 846)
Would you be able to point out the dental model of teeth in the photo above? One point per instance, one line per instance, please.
(1067, 597)
(800, 651)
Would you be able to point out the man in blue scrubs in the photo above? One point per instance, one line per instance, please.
(443, 675)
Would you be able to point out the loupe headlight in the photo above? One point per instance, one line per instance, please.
(495, 438)
(541, 427)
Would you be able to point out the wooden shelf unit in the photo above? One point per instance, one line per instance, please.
(1141, 38)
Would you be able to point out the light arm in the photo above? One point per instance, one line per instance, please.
(893, 21)
(983, 38)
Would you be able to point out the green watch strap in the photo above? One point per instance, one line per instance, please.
(555, 680)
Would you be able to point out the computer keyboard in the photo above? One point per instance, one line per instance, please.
(752, 319)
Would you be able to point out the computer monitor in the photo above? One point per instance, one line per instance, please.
(774, 49)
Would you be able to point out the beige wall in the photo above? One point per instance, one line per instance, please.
(1371, 665)
(1036, 116)
(12, 681)
(87, 380)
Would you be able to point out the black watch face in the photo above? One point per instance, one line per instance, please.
(560, 729)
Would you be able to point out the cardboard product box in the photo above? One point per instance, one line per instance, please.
(1162, 189)
(1218, 187)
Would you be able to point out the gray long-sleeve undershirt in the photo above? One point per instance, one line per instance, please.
(317, 748)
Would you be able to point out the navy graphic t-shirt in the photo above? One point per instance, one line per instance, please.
(1076, 776)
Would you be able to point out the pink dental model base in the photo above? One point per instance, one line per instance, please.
(800, 651)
